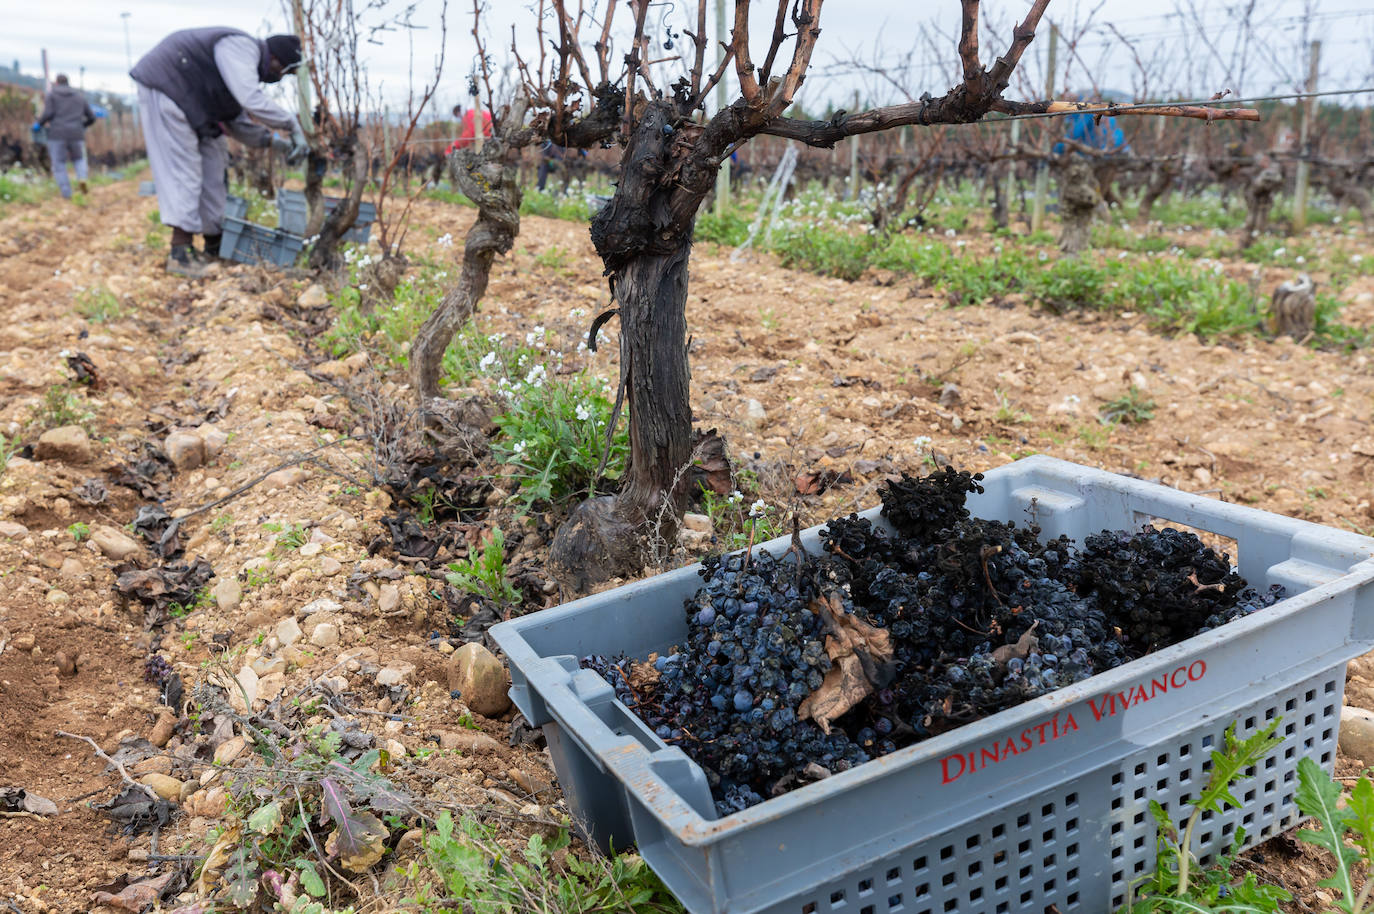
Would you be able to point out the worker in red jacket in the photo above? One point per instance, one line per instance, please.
(469, 131)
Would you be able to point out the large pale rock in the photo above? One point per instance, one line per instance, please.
(228, 593)
(69, 444)
(115, 544)
(12, 529)
(288, 631)
(480, 679)
(326, 634)
(214, 441)
(699, 523)
(314, 296)
(1357, 734)
(165, 786)
(186, 450)
(754, 413)
(284, 479)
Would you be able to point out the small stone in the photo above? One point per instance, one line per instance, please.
(950, 395)
(69, 444)
(115, 544)
(266, 666)
(230, 749)
(395, 748)
(66, 663)
(284, 479)
(12, 529)
(326, 634)
(468, 741)
(156, 764)
(228, 593)
(186, 450)
(698, 522)
(480, 678)
(24, 642)
(330, 566)
(214, 441)
(165, 786)
(288, 631)
(209, 803)
(314, 296)
(388, 598)
(1356, 738)
(271, 685)
(410, 841)
(244, 690)
(311, 549)
(72, 569)
(1202, 475)
(754, 413)
(395, 675)
(321, 605)
(445, 647)
(532, 784)
(51, 559)
(164, 728)
(59, 596)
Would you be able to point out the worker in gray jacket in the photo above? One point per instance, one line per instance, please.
(193, 87)
(66, 114)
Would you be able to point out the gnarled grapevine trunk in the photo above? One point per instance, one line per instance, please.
(488, 179)
(645, 245)
(325, 252)
(1078, 198)
(1260, 191)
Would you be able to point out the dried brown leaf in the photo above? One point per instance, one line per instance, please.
(860, 653)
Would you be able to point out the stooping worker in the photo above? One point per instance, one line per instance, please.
(66, 114)
(468, 133)
(193, 87)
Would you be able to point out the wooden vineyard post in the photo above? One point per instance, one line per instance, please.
(1042, 168)
(1304, 132)
(722, 99)
(1010, 179)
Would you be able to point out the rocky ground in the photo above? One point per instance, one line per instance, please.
(212, 401)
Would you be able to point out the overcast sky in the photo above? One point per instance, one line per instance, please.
(1167, 48)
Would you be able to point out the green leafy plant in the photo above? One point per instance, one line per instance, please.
(98, 305)
(1177, 882)
(554, 436)
(1346, 831)
(1134, 406)
(80, 531)
(8, 448)
(257, 577)
(221, 523)
(553, 258)
(473, 865)
(61, 406)
(485, 573)
(737, 521)
(289, 536)
(1008, 414)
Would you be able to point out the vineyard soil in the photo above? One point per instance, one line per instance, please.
(868, 377)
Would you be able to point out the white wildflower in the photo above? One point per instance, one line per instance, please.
(950, 233)
(446, 240)
(519, 448)
(735, 497)
(583, 414)
(922, 442)
(536, 376)
(488, 360)
(758, 508)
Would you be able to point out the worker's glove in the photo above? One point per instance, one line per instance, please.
(281, 144)
(300, 148)
(36, 127)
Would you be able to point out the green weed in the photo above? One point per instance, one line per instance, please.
(98, 305)
(1132, 407)
(484, 573)
(61, 406)
(80, 531)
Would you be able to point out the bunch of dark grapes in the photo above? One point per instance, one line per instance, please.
(1161, 586)
(981, 616)
(156, 669)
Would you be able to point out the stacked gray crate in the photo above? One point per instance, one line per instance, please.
(291, 215)
(1061, 821)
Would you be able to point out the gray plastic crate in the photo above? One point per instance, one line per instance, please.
(248, 242)
(235, 206)
(1042, 804)
(292, 214)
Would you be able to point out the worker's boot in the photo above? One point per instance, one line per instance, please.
(211, 252)
(82, 186)
(182, 262)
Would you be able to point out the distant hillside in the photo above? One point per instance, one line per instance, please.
(12, 76)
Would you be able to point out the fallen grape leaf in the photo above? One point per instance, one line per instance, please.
(217, 859)
(862, 658)
(358, 837)
(1021, 649)
(132, 896)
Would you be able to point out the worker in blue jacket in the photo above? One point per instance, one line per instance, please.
(1086, 128)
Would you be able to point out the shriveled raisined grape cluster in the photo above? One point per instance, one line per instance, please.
(980, 614)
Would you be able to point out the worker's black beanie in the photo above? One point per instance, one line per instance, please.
(286, 48)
